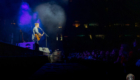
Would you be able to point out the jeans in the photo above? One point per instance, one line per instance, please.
(36, 47)
(36, 44)
(36, 41)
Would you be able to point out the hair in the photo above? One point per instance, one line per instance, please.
(36, 24)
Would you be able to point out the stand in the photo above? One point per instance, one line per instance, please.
(12, 39)
(46, 36)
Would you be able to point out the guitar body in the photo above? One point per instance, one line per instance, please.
(37, 37)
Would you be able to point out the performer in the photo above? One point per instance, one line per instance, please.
(36, 35)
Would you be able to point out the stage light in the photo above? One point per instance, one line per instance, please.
(76, 25)
(86, 26)
(25, 6)
(116, 24)
(25, 15)
(60, 27)
(90, 36)
(61, 38)
(127, 24)
(106, 9)
(81, 35)
(76, 21)
(128, 35)
(93, 24)
(138, 35)
(136, 24)
(56, 38)
(120, 36)
(101, 36)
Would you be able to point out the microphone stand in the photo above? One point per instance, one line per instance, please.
(12, 39)
(45, 35)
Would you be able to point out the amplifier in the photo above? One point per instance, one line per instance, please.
(55, 56)
(44, 49)
(29, 45)
(56, 53)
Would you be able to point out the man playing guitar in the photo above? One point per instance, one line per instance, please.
(36, 35)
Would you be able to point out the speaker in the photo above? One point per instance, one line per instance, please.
(56, 53)
(55, 56)
(45, 50)
(29, 45)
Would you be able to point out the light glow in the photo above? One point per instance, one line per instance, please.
(101, 36)
(93, 24)
(65, 36)
(86, 26)
(61, 38)
(136, 25)
(127, 24)
(76, 25)
(90, 36)
(56, 38)
(60, 27)
(138, 35)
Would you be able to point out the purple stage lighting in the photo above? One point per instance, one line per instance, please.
(35, 16)
(25, 6)
(25, 15)
(25, 19)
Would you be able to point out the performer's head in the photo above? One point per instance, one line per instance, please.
(37, 25)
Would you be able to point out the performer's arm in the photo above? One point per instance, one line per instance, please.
(36, 31)
(42, 34)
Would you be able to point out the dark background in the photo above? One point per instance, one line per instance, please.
(105, 13)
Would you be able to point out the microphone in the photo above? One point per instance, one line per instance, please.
(41, 29)
(44, 32)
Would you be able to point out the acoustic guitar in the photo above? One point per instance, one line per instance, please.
(38, 37)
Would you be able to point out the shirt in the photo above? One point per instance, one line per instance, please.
(35, 31)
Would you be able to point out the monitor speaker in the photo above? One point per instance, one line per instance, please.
(29, 45)
(45, 50)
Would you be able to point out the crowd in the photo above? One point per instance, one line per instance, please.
(126, 55)
(122, 61)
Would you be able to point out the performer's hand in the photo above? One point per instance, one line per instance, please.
(39, 34)
(42, 34)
